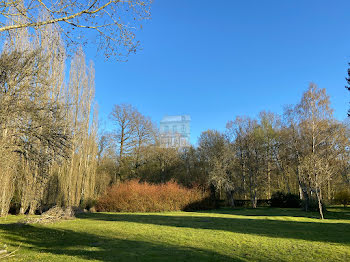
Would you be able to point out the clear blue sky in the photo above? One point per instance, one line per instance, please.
(215, 60)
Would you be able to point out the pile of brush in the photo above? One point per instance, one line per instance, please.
(52, 215)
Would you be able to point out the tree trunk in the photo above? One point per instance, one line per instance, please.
(306, 199)
(22, 210)
(329, 189)
(268, 181)
(231, 198)
(319, 203)
(33, 207)
(301, 195)
(254, 200)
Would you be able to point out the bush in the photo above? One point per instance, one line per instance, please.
(88, 204)
(133, 196)
(289, 200)
(277, 199)
(292, 200)
(342, 197)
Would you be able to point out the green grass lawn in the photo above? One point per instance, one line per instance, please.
(264, 234)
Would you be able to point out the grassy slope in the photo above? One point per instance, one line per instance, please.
(264, 234)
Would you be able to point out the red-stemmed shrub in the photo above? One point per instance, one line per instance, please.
(133, 196)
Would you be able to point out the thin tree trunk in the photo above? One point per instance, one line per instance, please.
(319, 204)
(231, 198)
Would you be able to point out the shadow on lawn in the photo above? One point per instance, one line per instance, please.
(89, 246)
(312, 231)
(331, 213)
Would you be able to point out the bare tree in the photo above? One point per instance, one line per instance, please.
(124, 116)
(109, 24)
(269, 124)
(321, 136)
(250, 155)
(222, 174)
(145, 135)
(78, 174)
(212, 148)
(134, 132)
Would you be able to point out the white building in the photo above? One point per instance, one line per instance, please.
(175, 131)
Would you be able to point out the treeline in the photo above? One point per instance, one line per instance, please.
(51, 152)
(305, 151)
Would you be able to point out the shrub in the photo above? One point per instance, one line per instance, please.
(132, 196)
(342, 197)
(277, 199)
(88, 204)
(292, 200)
(289, 200)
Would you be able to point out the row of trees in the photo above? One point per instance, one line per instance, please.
(51, 152)
(304, 151)
(48, 127)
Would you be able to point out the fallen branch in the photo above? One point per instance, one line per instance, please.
(5, 254)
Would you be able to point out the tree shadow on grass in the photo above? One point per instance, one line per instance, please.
(311, 231)
(338, 213)
(89, 246)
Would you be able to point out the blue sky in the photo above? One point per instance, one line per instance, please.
(215, 60)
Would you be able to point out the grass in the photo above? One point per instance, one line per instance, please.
(264, 234)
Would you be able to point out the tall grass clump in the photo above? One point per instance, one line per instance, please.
(133, 196)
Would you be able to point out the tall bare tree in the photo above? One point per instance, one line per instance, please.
(320, 134)
(78, 173)
(269, 124)
(123, 117)
(133, 133)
